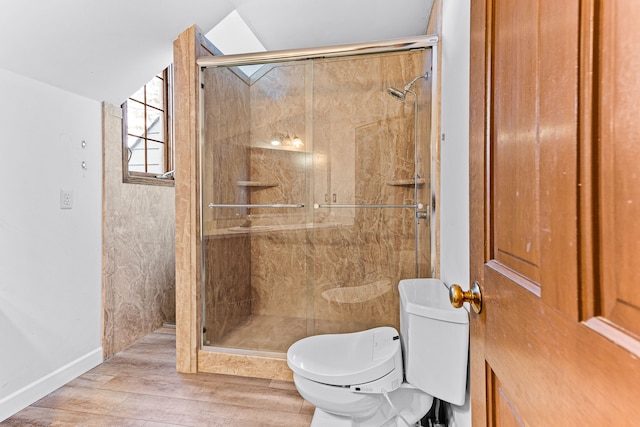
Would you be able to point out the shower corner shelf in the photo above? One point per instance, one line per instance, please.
(256, 184)
(406, 182)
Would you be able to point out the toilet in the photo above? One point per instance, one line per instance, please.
(380, 377)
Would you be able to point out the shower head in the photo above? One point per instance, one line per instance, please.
(396, 93)
(402, 94)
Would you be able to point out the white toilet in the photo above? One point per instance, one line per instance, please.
(357, 379)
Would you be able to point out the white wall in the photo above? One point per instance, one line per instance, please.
(454, 155)
(104, 50)
(50, 259)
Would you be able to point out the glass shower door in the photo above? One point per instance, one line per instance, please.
(255, 192)
(366, 236)
(312, 179)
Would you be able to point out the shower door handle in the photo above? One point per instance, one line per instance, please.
(276, 205)
(422, 215)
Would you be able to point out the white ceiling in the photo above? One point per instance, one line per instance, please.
(106, 49)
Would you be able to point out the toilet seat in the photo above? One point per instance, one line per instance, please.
(347, 359)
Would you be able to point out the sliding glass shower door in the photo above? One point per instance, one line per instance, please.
(315, 185)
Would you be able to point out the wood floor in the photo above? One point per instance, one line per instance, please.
(140, 387)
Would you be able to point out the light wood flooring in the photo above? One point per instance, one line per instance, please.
(140, 387)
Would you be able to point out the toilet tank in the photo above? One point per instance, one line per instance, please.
(435, 339)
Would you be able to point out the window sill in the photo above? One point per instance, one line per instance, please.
(147, 179)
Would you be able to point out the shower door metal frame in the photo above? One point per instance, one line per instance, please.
(386, 46)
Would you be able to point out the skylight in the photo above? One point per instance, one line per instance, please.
(232, 35)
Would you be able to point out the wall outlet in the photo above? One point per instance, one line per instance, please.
(66, 199)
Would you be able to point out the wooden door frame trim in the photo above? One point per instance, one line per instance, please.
(587, 160)
(479, 96)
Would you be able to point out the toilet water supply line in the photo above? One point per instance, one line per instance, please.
(384, 393)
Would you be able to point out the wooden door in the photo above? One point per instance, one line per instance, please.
(555, 212)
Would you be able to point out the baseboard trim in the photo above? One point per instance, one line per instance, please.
(31, 393)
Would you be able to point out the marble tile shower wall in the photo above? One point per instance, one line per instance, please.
(225, 161)
(138, 248)
(342, 271)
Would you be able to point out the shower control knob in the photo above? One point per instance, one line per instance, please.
(457, 297)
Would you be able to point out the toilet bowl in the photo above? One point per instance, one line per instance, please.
(358, 379)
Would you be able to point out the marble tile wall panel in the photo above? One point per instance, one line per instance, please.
(278, 269)
(138, 248)
(278, 104)
(343, 260)
(350, 93)
(224, 151)
(227, 284)
(285, 170)
(225, 163)
(279, 273)
(384, 155)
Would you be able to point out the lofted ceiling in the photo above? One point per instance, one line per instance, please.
(106, 50)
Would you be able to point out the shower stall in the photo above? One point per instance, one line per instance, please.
(315, 191)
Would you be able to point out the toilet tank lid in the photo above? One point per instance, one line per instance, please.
(430, 298)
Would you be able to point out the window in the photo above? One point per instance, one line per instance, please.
(233, 35)
(147, 148)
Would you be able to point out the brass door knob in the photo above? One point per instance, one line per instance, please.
(457, 297)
